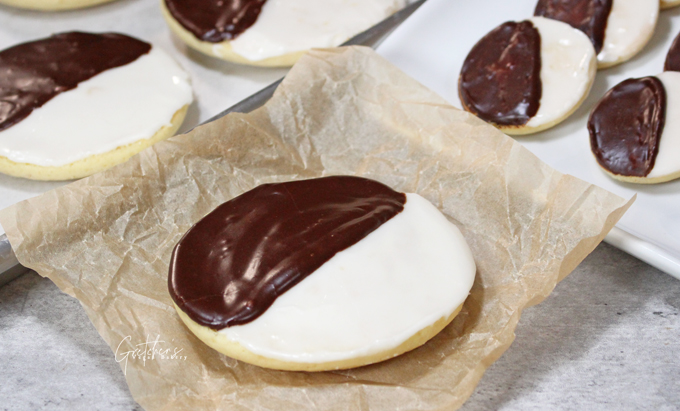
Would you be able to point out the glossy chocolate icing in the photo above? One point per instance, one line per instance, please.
(500, 81)
(626, 125)
(215, 21)
(673, 57)
(231, 266)
(589, 16)
(33, 73)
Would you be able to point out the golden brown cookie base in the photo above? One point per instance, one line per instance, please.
(525, 130)
(221, 343)
(94, 163)
(643, 180)
(223, 50)
(668, 4)
(52, 5)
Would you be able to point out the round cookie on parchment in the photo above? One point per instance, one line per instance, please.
(635, 129)
(52, 5)
(525, 77)
(78, 103)
(618, 29)
(322, 274)
(273, 33)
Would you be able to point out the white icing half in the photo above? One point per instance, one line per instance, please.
(668, 158)
(568, 67)
(629, 27)
(413, 270)
(286, 26)
(112, 109)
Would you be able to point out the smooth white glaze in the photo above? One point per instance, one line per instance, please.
(568, 67)
(112, 109)
(668, 158)
(413, 270)
(286, 26)
(629, 27)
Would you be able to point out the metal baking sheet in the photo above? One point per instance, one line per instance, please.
(13, 189)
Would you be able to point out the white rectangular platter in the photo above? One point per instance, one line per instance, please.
(431, 47)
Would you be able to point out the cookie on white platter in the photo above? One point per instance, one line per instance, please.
(525, 77)
(635, 129)
(619, 29)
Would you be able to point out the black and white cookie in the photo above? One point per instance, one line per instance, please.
(271, 32)
(77, 103)
(635, 129)
(527, 76)
(619, 29)
(322, 274)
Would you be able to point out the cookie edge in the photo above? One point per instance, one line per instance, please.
(668, 4)
(224, 345)
(640, 180)
(526, 130)
(52, 5)
(94, 163)
(223, 50)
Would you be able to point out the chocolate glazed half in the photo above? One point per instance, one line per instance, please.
(33, 73)
(215, 21)
(673, 57)
(589, 16)
(500, 81)
(233, 264)
(626, 125)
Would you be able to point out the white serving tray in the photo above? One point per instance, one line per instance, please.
(431, 47)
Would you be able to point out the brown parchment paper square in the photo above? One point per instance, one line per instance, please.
(107, 239)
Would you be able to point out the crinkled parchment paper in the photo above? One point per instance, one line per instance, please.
(107, 239)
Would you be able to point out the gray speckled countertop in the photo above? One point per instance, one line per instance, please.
(607, 338)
